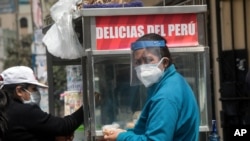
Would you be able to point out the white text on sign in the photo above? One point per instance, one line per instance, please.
(135, 31)
(240, 132)
(181, 29)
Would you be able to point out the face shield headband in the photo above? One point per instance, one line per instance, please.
(145, 44)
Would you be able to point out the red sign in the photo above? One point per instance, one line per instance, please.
(118, 32)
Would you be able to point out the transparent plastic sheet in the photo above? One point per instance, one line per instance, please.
(147, 48)
(61, 39)
(134, 81)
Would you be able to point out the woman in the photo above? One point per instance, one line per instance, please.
(171, 112)
(27, 122)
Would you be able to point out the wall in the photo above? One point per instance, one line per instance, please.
(229, 35)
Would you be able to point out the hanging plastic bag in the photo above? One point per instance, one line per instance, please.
(61, 39)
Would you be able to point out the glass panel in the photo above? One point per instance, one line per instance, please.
(194, 73)
(116, 101)
(67, 89)
(59, 85)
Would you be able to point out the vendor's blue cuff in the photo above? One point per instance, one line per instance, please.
(145, 44)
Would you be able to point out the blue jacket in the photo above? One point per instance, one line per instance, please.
(171, 112)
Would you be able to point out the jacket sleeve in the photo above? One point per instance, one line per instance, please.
(160, 123)
(47, 123)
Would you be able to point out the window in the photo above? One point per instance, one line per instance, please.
(23, 22)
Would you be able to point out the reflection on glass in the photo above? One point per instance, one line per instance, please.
(192, 67)
(117, 100)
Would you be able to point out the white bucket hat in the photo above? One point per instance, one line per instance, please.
(18, 75)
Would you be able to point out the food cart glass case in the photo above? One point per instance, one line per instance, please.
(114, 101)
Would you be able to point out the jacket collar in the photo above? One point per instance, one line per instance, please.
(167, 73)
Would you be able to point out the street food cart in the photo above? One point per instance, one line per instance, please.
(106, 35)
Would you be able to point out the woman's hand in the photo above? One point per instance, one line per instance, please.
(111, 134)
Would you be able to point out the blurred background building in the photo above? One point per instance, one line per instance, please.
(21, 23)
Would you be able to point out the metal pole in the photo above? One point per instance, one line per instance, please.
(17, 20)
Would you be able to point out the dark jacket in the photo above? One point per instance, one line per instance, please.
(29, 123)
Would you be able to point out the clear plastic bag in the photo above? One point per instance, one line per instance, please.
(61, 39)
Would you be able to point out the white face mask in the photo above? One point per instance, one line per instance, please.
(149, 74)
(35, 97)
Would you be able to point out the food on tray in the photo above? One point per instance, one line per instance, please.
(108, 129)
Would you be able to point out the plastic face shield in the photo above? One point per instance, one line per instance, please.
(144, 52)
